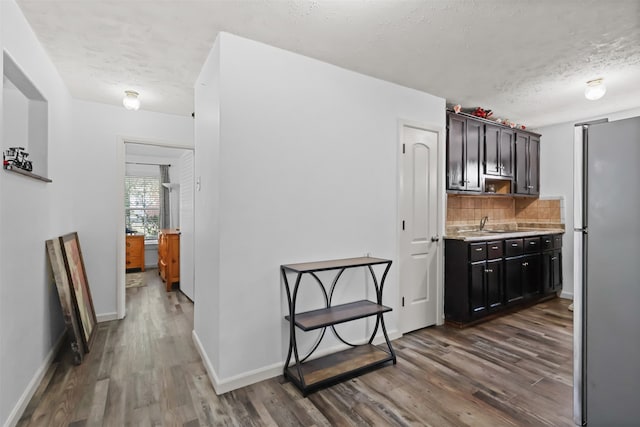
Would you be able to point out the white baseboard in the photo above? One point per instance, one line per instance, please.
(251, 377)
(28, 393)
(566, 295)
(237, 381)
(107, 317)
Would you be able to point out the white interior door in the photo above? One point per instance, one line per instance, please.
(187, 281)
(419, 240)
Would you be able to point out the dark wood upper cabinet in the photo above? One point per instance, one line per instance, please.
(456, 135)
(475, 139)
(498, 151)
(482, 152)
(507, 143)
(527, 177)
(465, 138)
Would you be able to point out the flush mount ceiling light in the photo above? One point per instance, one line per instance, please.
(595, 89)
(131, 100)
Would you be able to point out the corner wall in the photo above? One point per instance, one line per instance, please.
(307, 171)
(31, 212)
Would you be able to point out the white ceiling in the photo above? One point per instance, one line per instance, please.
(527, 60)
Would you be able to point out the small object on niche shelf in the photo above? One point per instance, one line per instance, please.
(491, 188)
(16, 157)
(457, 108)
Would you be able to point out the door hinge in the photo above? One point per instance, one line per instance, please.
(403, 224)
(403, 301)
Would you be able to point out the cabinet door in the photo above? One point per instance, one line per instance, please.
(552, 271)
(547, 272)
(513, 279)
(477, 295)
(492, 150)
(506, 152)
(534, 166)
(531, 271)
(556, 271)
(473, 154)
(455, 153)
(493, 277)
(521, 175)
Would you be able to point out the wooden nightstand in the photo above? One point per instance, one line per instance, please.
(135, 252)
(169, 256)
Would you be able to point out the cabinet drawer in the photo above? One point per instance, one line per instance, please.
(494, 249)
(547, 242)
(513, 247)
(477, 252)
(531, 245)
(133, 261)
(557, 241)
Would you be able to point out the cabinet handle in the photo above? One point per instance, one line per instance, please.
(524, 264)
(514, 245)
(494, 247)
(553, 258)
(478, 249)
(488, 270)
(530, 186)
(532, 243)
(435, 238)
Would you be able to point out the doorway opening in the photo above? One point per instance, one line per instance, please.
(157, 215)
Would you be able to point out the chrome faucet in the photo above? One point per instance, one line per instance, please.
(483, 222)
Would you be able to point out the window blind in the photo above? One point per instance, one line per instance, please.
(142, 205)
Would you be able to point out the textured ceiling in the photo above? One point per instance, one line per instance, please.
(526, 60)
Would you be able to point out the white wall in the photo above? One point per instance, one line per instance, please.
(307, 170)
(99, 131)
(556, 179)
(31, 212)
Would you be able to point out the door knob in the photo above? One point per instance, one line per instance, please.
(435, 238)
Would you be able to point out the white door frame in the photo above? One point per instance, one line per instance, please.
(120, 224)
(440, 130)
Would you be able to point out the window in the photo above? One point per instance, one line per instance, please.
(142, 205)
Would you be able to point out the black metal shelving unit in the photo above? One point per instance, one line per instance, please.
(310, 375)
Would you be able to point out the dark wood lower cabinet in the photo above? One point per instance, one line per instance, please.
(479, 281)
(552, 271)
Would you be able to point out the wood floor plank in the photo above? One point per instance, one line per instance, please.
(514, 370)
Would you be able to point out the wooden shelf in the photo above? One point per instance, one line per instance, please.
(338, 366)
(307, 267)
(323, 317)
(19, 171)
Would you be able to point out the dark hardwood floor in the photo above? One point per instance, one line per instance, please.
(144, 370)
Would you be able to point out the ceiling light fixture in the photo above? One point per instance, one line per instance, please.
(595, 89)
(131, 100)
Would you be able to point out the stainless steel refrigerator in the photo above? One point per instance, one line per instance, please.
(607, 273)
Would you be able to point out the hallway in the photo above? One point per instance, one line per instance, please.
(145, 370)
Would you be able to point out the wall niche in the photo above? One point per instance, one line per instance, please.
(25, 118)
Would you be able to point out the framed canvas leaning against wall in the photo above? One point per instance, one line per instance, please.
(77, 277)
(58, 272)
